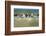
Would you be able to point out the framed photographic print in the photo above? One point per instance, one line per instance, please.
(24, 17)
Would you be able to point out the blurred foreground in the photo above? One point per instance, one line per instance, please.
(26, 22)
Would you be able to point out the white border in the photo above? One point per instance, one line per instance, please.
(25, 28)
